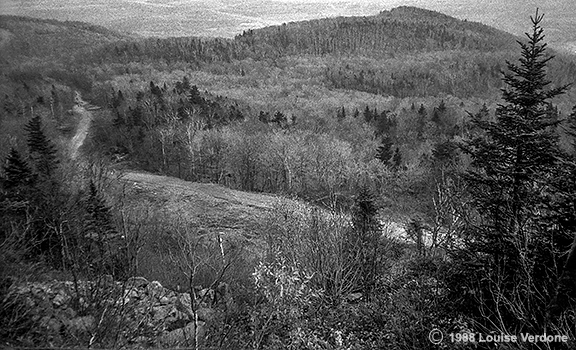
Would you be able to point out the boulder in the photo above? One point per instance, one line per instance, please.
(182, 336)
(61, 298)
(184, 305)
(81, 324)
(51, 324)
(163, 312)
(55, 306)
(206, 314)
(155, 289)
(136, 282)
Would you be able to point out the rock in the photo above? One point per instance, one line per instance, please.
(107, 280)
(163, 312)
(223, 289)
(182, 336)
(354, 297)
(183, 304)
(51, 324)
(206, 314)
(136, 282)
(169, 314)
(185, 299)
(61, 298)
(81, 324)
(207, 296)
(141, 340)
(176, 324)
(67, 313)
(54, 306)
(132, 294)
(155, 289)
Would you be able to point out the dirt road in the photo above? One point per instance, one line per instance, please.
(82, 109)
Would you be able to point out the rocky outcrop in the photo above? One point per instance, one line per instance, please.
(106, 313)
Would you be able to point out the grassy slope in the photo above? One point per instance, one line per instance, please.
(160, 209)
(207, 206)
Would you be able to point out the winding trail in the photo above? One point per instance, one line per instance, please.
(83, 109)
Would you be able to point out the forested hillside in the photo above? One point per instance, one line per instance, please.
(402, 52)
(402, 30)
(26, 38)
(429, 162)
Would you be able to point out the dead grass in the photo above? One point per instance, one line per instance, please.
(210, 207)
(160, 210)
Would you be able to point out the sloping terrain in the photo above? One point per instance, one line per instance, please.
(401, 30)
(48, 39)
(231, 17)
(206, 206)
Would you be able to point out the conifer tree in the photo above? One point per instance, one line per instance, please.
(397, 159)
(564, 204)
(512, 163)
(368, 115)
(341, 114)
(42, 150)
(384, 151)
(16, 171)
(364, 240)
(98, 227)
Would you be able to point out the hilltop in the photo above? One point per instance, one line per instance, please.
(399, 31)
(24, 37)
(231, 17)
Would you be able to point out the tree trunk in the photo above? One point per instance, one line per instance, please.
(566, 289)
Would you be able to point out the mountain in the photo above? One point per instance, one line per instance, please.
(401, 30)
(404, 30)
(227, 18)
(406, 51)
(37, 54)
(403, 52)
(24, 37)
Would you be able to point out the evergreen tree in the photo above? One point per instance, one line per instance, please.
(441, 107)
(99, 231)
(136, 116)
(186, 83)
(397, 159)
(119, 120)
(512, 164)
(368, 115)
(384, 152)
(363, 249)
(564, 204)
(194, 96)
(422, 110)
(42, 150)
(16, 171)
(264, 117)
(341, 114)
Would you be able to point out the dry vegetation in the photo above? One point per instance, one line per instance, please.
(257, 175)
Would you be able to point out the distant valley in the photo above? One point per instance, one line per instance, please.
(227, 18)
